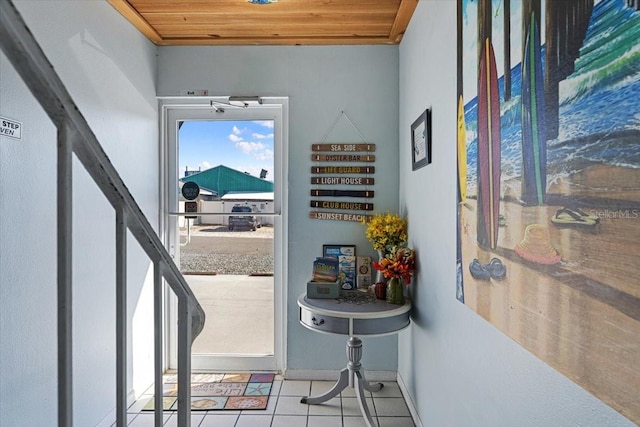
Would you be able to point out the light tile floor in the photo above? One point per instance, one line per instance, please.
(387, 407)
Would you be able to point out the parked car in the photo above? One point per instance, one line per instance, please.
(250, 222)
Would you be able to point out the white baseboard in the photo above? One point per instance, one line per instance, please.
(330, 375)
(409, 401)
(111, 417)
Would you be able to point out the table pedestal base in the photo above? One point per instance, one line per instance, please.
(352, 376)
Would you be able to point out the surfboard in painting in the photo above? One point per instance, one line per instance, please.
(462, 153)
(488, 149)
(534, 150)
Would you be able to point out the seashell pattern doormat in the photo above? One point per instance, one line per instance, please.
(211, 392)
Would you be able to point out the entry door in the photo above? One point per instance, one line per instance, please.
(233, 150)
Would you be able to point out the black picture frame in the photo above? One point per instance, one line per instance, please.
(421, 140)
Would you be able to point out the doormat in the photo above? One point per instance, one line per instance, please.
(211, 392)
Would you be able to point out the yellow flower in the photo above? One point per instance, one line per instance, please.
(386, 231)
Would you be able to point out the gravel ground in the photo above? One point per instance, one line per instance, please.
(215, 249)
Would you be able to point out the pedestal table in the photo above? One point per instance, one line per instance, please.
(354, 314)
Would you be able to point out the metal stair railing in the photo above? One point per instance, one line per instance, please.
(76, 137)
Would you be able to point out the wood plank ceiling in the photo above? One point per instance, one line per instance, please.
(283, 22)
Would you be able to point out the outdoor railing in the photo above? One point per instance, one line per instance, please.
(76, 137)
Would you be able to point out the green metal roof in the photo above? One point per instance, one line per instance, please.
(222, 179)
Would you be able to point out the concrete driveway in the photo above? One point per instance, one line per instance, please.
(239, 306)
(240, 314)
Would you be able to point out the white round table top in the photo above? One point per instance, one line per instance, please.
(354, 306)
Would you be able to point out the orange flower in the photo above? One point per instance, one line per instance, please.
(400, 263)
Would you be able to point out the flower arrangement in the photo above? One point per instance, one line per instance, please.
(400, 263)
(385, 231)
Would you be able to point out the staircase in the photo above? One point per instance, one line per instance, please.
(75, 137)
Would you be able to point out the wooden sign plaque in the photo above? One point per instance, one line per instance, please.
(343, 193)
(343, 169)
(352, 206)
(341, 180)
(367, 158)
(343, 147)
(337, 216)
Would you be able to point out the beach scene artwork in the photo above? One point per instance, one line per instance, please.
(548, 142)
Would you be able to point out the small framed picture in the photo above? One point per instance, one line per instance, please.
(421, 140)
(346, 255)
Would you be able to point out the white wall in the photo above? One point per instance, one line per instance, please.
(109, 69)
(218, 206)
(460, 370)
(321, 82)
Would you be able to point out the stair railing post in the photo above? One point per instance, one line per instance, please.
(65, 266)
(184, 362)
(121, 316)
(158, 348)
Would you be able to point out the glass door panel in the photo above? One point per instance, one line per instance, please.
(225, 249)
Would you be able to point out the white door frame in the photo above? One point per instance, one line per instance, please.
(275, 108)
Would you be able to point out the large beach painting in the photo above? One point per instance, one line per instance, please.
(549, 183)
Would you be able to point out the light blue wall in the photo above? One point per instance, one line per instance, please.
(109, 68)
(460, 370)
(321, 82)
